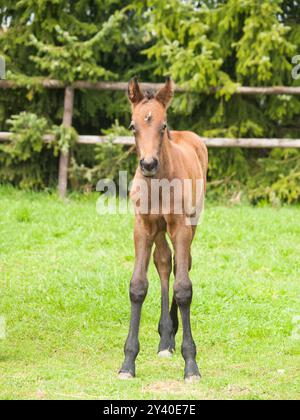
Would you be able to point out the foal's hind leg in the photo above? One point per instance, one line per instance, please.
(163, 263)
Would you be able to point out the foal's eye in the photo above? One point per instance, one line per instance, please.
(132, 127)
(163, 127)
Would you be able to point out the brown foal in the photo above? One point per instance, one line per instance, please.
(171, 156)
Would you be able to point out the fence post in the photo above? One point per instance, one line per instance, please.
(64, 157)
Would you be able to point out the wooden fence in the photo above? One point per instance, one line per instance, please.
(121, 86)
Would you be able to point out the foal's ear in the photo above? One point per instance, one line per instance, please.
(166, 93)
(135, 95)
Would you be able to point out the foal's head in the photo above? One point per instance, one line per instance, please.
(149, 123)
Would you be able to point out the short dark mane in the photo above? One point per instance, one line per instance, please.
(149, 94)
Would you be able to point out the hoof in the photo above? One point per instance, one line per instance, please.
(125, 375)
(165, 354)
(192, 379)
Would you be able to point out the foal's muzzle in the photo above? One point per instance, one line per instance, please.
(149, 167)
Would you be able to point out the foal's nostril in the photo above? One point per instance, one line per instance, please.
(149, 166)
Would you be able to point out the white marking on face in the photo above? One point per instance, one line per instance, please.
(148, 116)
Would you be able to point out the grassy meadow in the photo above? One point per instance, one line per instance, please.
(64, 275)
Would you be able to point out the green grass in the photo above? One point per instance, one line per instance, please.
(64, 274)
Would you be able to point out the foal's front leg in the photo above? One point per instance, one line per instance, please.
(182, 236)
(143, 239)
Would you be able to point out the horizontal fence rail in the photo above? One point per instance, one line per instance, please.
(210, 142)
(245, 143)
(122, 86)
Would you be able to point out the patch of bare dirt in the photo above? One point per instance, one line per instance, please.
(235, 391)
(175, 388)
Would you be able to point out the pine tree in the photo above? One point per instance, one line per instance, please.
(201, 44)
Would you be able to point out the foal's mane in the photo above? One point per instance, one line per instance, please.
(149, 94)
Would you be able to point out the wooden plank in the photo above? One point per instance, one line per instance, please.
(210, 142)
(122, 86)
(126, 141)
(6, 136)
(45, 83)
(65, 156)
(274, 90)
(253, 143)
(242, 90)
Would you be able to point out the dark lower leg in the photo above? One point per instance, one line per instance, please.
(165, 326)
(175, 322)
(137, 296)
(188, 348)
(183, 296)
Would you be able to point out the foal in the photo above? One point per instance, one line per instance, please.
(164, 155)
